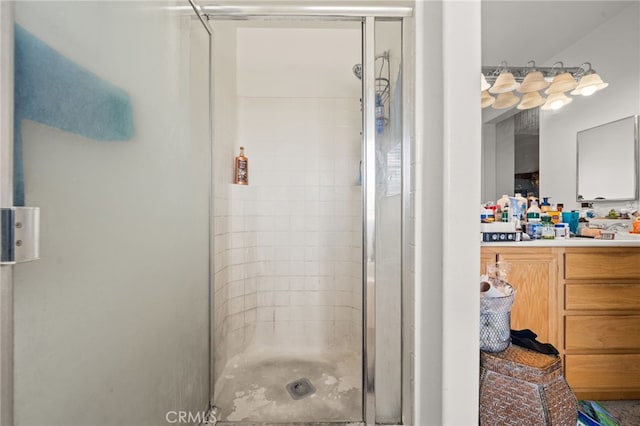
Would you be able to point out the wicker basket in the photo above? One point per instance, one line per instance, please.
(522, 387)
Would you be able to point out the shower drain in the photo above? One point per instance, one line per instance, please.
(300, 388)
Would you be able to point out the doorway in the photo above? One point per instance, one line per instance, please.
(301, 298)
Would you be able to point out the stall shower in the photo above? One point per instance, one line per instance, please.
(288, 299)
(163, 289)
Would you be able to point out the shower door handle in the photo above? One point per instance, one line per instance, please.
(20, 234)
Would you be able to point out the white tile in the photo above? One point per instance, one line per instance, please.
(250, 301)
(236, 305)
(282, 333)
(282, 268)
(344, 297)
(250, 316)
(264, 298)
(311, 180)
(297, 238)
(237, 256)
(312, 268)
(312, 283)
(282, 238)
(265, 314)
(282, 313)
(265, 283)
(298, 269)
(236, 321)
(264, 332)
(281, 298)
(297, 252)
(298, 223)
(298, 299)
(237, 272)
(236, 289)
(342, 313)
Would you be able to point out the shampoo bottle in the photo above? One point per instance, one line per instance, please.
(241, 172)
(533, 213)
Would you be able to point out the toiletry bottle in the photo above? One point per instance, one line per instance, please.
(483, 214)
(533, 212)
(503, 201)
(548, 229)
(545, 206)
(531, 198)
(555, 215)
(586, 210)
(505, 213)
(491, 215)
(241, 173)
(523, 204)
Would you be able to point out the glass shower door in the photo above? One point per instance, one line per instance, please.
(112, 143)
(389, 150)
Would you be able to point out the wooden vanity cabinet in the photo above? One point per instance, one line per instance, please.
(533, 272)
(602, 322)
(586, 302)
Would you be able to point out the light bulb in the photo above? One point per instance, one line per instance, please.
(588, 90)
(556, 104)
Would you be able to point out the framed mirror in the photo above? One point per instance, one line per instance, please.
(607, 161)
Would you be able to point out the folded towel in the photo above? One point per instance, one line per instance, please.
(53, 90)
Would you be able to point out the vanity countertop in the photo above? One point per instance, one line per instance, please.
(569, 242)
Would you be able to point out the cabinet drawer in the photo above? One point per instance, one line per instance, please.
(602, 296)
(610, 264)
(602, 332)
(603, 372)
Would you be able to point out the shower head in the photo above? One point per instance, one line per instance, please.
(357, 71)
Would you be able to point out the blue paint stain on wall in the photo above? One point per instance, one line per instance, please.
(55, 91)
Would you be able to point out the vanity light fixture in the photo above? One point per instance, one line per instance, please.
(556, 101)
(533, 80)
(486, 99)
(530, 80)
(484, 86)
(590, 82)
(504, 82)
(505, 100)
(531, 100)
(561, 83)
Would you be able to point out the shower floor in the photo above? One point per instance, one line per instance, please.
(253, 388)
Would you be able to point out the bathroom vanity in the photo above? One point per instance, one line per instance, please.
(582, 296)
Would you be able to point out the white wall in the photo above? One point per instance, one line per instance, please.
(448, 138)
(111, 323)
(613, 49)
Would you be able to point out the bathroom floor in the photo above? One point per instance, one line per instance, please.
(253, 388)
(626, 412)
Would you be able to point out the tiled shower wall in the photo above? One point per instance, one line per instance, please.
(288, 246)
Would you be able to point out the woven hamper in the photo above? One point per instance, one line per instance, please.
(519, 386)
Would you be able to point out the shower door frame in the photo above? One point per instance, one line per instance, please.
(6, 200)
(368, 16)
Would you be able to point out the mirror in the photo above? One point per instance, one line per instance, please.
(607, 164)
